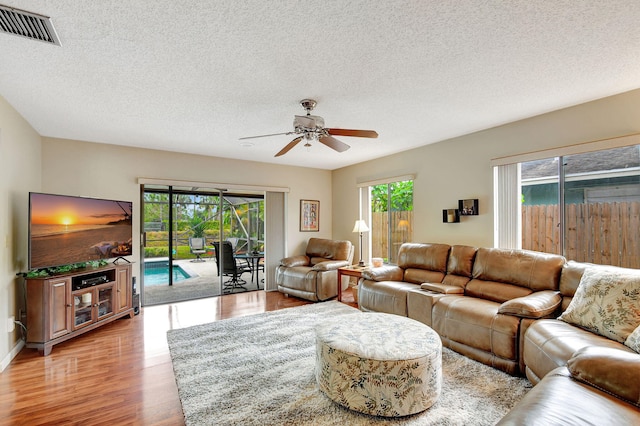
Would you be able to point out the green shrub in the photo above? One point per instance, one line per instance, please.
(156, 252)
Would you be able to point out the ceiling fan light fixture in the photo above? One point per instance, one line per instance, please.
(308, 137)
(311, 128)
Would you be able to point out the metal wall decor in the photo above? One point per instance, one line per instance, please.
(468, 207)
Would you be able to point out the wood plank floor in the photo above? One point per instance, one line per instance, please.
(119, 374)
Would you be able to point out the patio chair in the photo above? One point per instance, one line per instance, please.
(239, 244)
(230, 268)
(234, 243)
(197, 246)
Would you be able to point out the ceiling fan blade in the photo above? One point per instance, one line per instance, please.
(334, 143)
(355, 133)
(264, 136)
(289, 146)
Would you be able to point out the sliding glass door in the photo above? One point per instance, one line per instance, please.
(182, 227)
(584, 206)
(602, 206)
(244, 222)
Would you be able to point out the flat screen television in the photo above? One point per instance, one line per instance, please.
(66, 229)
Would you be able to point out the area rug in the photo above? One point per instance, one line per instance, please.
(259, 370)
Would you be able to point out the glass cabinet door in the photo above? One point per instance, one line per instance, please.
(105, 302)
(82, 308)
(92, 305)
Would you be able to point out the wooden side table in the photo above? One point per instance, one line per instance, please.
(351, 271)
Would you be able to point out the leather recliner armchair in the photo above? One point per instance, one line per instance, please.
(314, 275)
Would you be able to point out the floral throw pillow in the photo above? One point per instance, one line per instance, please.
(607, 302)
(633, 341)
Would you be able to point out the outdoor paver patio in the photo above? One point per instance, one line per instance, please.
(204, 282)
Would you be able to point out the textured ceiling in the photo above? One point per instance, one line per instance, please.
(196, 76)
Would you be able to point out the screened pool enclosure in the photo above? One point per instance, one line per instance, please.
(183, 225)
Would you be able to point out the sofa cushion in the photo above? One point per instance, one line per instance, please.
(537, 305)
(330, 265)
(570, 280)
(611, 370)
(607, 302)
(419, 276)
(328, 249)
(633, 340)
(383, 273)
(534, 270)
(456, 280)
(495, 291)
(432, 257)
(476, 323)
(561, 400)
(460, 266)
(549, 343)
(299, 260)
(461, 260)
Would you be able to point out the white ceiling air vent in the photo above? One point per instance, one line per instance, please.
(26, 24)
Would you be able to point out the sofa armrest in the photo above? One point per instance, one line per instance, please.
(611, 370)
(300, 260)
(442, 288)
(330, 265)
(535, 305)
(560, 399)
(384, 273)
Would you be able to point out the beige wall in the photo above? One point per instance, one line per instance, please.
(445, 172)
(108, 171)
(19, 174)
(460, 168)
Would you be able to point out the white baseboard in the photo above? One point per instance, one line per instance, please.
(11, 355)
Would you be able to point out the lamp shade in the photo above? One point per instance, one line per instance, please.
(360, 226)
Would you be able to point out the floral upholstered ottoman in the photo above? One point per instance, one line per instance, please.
(379, 364)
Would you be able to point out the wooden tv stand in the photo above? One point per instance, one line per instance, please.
(63, 306)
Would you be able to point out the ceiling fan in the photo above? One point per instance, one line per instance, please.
(311, 127)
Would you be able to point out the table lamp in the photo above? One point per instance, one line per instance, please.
(360, 227)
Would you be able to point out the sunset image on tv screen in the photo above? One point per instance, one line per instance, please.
(66, 229)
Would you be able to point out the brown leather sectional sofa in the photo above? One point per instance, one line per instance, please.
(499, 307)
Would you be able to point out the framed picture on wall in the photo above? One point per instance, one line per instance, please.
(309, 215)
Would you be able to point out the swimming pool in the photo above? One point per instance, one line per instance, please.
(157, 273)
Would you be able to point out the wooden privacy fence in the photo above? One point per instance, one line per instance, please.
(402, 233)
(602, 233)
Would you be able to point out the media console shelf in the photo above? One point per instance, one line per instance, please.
(63, 306)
